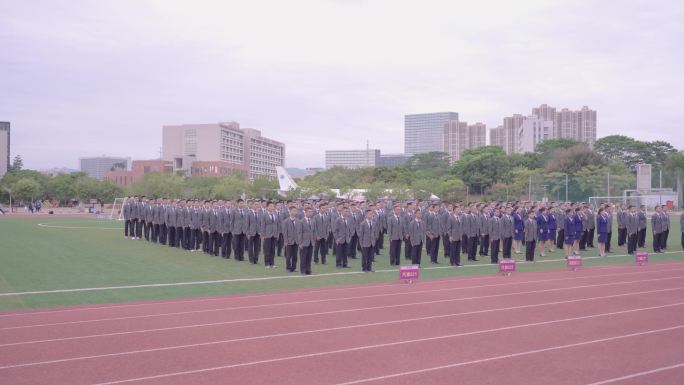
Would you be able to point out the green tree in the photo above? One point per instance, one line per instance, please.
(17, 164)
(529, 160)
(26, 189)
(229, 187)
(156, 184)
(632, 152)
(546, 149)
(571, 160)
(433, 161)
(63, 186)
(481, 167)
(262, 187)
(106, 191)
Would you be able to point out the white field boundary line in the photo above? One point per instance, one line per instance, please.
(427, 339)
(323, 290)
(51, 225)
(221, 309)
(277, 277)
(638, 374)
(333, 329)
(301, 315)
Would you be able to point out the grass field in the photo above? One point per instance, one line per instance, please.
(47, 253)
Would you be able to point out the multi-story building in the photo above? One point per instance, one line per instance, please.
(222, 142)
(96, 167)
(4, 147)
(393, 160)
(533, 131)
(139, 168)
(517, 135)
(496, 136)
(459, 136)
(511, 125)
(425, 132)
(352, 158)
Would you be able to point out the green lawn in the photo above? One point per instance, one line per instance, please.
(35, 258)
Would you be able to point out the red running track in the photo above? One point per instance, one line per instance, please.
(619, 324)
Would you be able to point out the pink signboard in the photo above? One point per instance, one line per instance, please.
(409, 273)
(574, 262)
(641, 258)
(507, 266)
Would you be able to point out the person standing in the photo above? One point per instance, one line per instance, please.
(657, 226)
(305, 241)
(270, 231)
(519, 230)
(553, 228)
(367, 232)
(252, 234)
(543, 229)
(472, 227)
(602, 228)
(609, 211)
(454, 229)
(632, 227)
(483, 221)
(622, 229)
(569, 232)
(531, 236)
(289, 228)
(591, 223)
(666, 227)
(416, 236)
(507, 232)
(494, 231)
(643, 220)
(321, 231)
(127, 208)
(343, 235)
(407, 219)
(396, 234)
(170, 221)
(239, 225)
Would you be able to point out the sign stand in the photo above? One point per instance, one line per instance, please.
(409, 273)
(574, 262)
(507, 266)
(641, 258)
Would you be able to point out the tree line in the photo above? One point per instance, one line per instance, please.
(487, 172)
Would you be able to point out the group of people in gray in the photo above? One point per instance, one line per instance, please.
(307, 231)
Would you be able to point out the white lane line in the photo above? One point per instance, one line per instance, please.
(448, 280)
(300, 315)
(382, 323)
(338, 299)
(277, 277)
(639, 374)
(529, 352)
(419, 340)
(324, 300)
(52, 226)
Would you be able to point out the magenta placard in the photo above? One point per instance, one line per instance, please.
(641, 258)
(507, 266)
(409, 272)
(574, 262)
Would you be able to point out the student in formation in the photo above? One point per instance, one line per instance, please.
(543, 229)
(519, 229)
(531, 236)
(494, 232)
(632, 228)
(569, 231)
(577, 219)
(367, 231)
(416, 236)
(602, 228)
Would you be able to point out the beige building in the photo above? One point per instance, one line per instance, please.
(222, 142)
(459, 136)
(519, 135)
(4, 147)
(496, 136)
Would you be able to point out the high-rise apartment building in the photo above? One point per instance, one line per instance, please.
(4, 147)
(222, 142)
(425, 132)
(97, 166)
(459, 136)
(517, 136)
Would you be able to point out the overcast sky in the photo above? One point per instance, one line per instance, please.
(83, 78)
